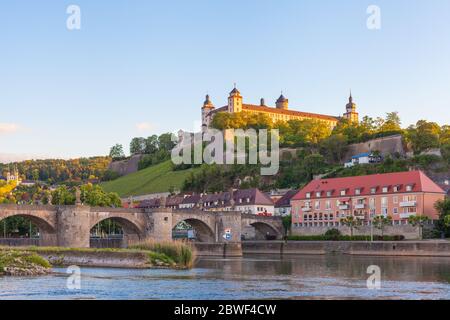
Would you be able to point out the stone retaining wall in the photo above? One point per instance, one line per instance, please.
(376, 248)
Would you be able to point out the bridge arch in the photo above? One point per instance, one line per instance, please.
(203, 232)
(132, 230)
(259, 230)
(44, 221)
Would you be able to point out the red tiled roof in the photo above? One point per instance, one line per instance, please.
(417, 179)
(252, 107)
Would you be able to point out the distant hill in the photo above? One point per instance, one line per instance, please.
(157, 178)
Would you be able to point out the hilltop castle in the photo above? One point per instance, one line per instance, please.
(280, 112)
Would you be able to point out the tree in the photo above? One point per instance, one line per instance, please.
(419, 221)
(314, 164)
(287, 222)
(137, 146)
(334, 147)
(391, 123)
(443, 224)
(380, 222)
(424, 135)
(63, 196)
(151, 144)
(350, 222)
(116, 151)
(95, 196)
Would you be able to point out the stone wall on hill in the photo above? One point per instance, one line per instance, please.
(125, 167)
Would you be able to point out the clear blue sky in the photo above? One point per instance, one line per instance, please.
(75, 93)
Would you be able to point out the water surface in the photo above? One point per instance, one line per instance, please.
(251, 277)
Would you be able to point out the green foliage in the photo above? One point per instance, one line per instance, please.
(116, 152)
(183, 254)
(95, 196)
(333, 234)
(287, 222)
(92, 195)
(21, 259)
(423, 135)
(63, 196)
(443, 224)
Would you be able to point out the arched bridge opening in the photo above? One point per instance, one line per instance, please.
(260, 231)
(193, 230)
(114, 232)
(21, 229)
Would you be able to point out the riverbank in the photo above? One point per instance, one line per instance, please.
(363, 248)
(22, 263)
(136, 258)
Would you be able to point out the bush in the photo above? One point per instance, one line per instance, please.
(180, 252)
(333, 234)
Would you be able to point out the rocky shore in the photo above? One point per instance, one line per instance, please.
(22, 263)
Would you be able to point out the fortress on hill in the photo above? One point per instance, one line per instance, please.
(280, 112)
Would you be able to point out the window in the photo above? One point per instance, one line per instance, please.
(318, 194)
(395, 199)
(357, 191)
(409, 188)
(372, 203)
(385, 189)
(343, 192)
(308, 195)
(373, 190)
(328, 204)
(384, 202)
(317, 205)
(396, 188)
(395, 210)
(329, 193)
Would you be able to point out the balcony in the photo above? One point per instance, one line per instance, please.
(344, 207)
(408, 204)
(407, 215)
(360, 206)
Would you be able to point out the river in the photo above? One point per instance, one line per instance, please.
(251, 277)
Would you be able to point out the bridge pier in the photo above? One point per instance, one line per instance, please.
(73, 226)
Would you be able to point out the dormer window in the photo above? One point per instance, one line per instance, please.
(358, 191)
(329, 193)
(373, 190)
(385, 189)
(409, 187)
(318, 194)
(343, 192)
(396, 188)
(308, 195)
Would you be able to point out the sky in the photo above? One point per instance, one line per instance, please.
(137, 68)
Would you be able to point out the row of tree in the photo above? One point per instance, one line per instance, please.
(58, 170)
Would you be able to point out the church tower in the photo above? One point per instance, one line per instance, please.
(235, 101)
(282, 103)
(350, 108)
(206, 109)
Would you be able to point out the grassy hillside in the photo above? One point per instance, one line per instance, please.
(158, 178)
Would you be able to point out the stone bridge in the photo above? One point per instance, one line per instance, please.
(70, 226)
